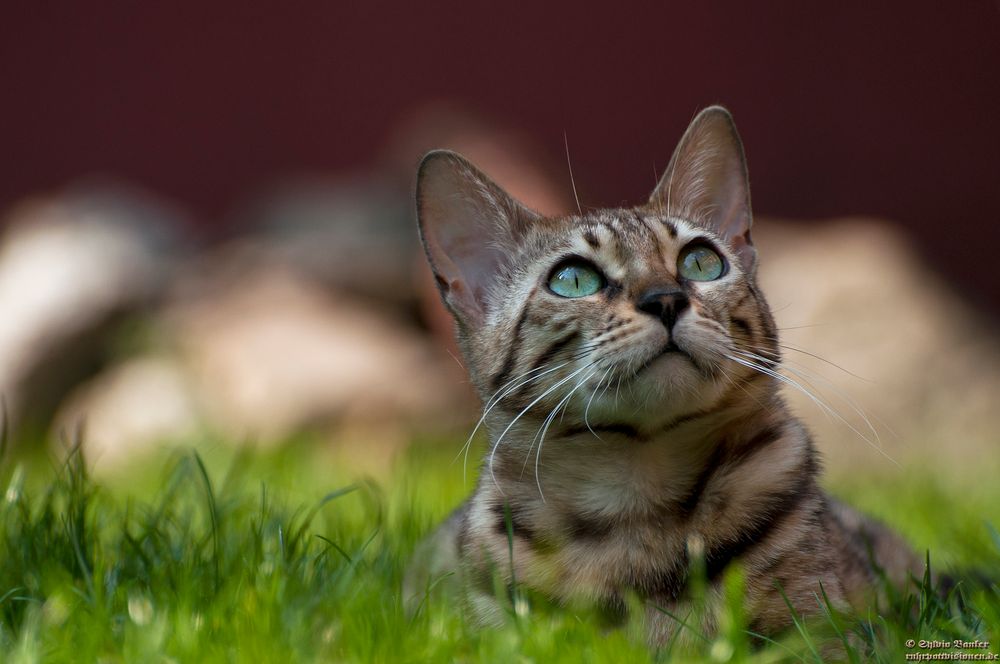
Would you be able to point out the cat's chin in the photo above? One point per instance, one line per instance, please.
(671, 358)
(673, 372)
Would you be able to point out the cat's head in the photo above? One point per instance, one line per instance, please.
(650, 310)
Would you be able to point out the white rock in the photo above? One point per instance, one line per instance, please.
(64, 269)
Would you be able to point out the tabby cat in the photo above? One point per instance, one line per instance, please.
(628, 365)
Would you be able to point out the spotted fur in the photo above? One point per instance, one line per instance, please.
(624, 442)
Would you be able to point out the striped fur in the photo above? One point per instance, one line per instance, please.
(622, 446)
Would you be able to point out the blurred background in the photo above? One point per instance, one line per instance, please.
(207, 219)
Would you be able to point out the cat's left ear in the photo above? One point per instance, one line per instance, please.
(470, 228)
(706, 182)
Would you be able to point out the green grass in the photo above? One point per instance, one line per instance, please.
(291, 556)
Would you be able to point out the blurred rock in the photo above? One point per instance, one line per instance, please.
(250, 348)
(926, 364)
(69, 267)
(131, 408)
(272, 353)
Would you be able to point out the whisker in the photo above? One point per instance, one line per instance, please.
(492, 403)
(825, 361)
(600, 340)
(796, 349)
(586, 411)
(545, 429)
(785, 379)
(735, 383)
(583, 351)
(572, 182)
(816, 400)
(544, 394)
(799, 327)
(805, 374)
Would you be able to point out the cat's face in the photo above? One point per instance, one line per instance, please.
(625, 316)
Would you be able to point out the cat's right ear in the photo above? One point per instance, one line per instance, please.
(469, 227)
(706, 182)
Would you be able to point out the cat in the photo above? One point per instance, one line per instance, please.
(627, 362)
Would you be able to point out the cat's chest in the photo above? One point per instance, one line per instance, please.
(569, 556)
(608, 519)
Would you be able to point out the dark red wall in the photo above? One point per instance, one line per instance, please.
(887, 108)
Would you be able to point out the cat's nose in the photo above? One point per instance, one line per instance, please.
(666, 305)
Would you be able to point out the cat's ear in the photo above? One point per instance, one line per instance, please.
(469, 227)
(706, 182)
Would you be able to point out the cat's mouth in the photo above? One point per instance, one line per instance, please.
(672, 347)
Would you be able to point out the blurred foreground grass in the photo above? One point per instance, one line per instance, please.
(294, 556)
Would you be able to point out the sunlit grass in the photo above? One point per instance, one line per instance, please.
(294, 556)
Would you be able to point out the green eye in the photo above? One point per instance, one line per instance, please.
(699, 263)
(575, 279)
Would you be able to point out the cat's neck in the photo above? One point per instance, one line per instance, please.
(620, 470)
